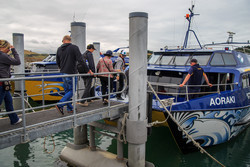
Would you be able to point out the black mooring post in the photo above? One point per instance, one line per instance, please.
(149, 110)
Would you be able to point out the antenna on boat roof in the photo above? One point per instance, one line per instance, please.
(230, 37)
(189, 18)
(74, 16)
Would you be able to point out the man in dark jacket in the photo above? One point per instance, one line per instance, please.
(5, 62)
(194, 77)
(88, 92)
(67, 57)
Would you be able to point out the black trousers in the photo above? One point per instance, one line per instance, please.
(121, 84)
(104, 82)
(87, 91)
(193, 90)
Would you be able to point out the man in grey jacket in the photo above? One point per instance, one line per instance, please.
(120, 64)
(5, 62)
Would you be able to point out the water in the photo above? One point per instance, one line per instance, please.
(161, 150)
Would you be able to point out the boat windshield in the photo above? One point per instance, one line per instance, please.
(178, 59)
(153, 59)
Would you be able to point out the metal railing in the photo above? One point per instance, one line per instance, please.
(159, 87)
(74, 98)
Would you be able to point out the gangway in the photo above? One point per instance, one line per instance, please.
(49, 121)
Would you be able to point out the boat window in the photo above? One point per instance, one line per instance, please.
(153, 59)
(217, 60)
(229, 59)
(164, 60)
(179, 60)
(202, 60)
(245, 80)
(165, 78)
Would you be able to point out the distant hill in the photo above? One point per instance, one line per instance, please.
(245, 49)
(30, 56)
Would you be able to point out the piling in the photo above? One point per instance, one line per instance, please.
(136, 124)
(78, 35)
(18, 43)
(96, 53)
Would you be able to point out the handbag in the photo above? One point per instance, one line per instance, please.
(7, 85)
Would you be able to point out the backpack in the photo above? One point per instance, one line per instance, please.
(80, 67)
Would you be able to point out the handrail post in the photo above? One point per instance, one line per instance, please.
(218, 85)
(74, 99)
(187, 93)
(109, 87)
(43, 102)
(24, 137)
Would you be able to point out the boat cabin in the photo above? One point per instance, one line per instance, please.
(226, 70)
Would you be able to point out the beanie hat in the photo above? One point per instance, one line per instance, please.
(4, 44)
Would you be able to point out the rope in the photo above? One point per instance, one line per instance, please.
(202, 150)
(169, 103)
(122, 131)
(26, 102)
(54, 146)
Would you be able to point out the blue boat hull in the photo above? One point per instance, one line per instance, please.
(208, 127)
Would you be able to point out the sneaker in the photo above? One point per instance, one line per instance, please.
(20, 120)
(85, 104)
(59, 109)
(71, 111)
(120, 98)
(105, 101)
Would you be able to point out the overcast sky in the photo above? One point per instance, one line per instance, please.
(44, 23)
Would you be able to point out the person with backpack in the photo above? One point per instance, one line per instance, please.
(88, 91)
(120, 64)
(105, 65)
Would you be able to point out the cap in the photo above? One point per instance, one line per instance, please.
(91, 46)
(123, 53)
(108, 53)
(193, 61)
(4, 44)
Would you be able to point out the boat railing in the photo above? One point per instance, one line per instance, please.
(24, 110)
(160, 89)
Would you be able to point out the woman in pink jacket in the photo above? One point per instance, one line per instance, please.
(105, 65)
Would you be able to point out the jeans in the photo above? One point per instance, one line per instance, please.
(6, 96)
(87, 91)
(68, 88)
(104, 82)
